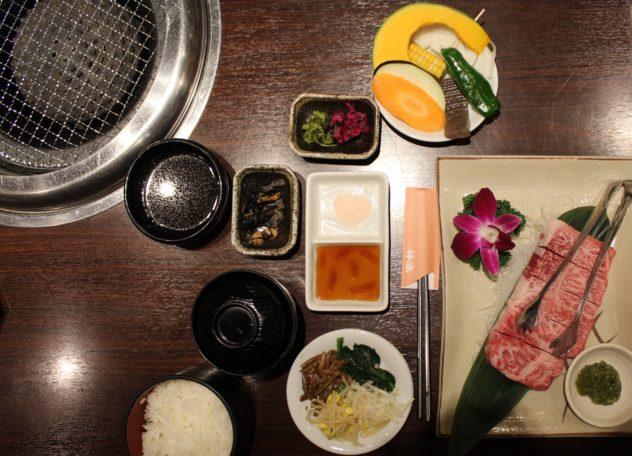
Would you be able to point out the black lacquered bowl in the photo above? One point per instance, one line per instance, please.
(177, 192)
(230, 391)
(245, 323)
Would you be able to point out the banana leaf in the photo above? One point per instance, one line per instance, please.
(488, 396)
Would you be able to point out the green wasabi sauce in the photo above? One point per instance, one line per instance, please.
(600, 382)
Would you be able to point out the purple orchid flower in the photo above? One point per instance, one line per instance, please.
(484, 232)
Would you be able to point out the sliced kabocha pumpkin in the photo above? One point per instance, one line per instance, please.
(393, 38)
(411, 95)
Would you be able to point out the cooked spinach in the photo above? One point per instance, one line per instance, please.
(381, 378)
(363, 365)
(365, 355)
(357, 373)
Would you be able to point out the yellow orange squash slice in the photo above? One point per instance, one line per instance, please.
(392, 39)
(411, 95)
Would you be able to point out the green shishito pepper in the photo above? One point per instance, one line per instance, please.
(473, 84)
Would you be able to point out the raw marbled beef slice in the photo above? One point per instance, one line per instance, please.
(560, 306)
(586, 325)
(541, 336)
(521, 362)
(556, 312)
(559, 237)
(526, 357)
(543, 264)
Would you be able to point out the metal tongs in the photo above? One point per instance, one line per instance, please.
(565, 342)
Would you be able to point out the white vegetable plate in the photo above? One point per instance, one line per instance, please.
(542, 188)
(435, 38)
(602, 415)
(391, 360)
(323, 228)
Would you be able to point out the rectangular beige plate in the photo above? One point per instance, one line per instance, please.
(541, 188)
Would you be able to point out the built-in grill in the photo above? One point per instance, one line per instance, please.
(84, 85)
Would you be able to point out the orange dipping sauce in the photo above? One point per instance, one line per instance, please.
(348, 272)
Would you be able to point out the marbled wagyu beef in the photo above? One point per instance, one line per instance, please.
(527, 357)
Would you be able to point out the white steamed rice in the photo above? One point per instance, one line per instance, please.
(185, 418)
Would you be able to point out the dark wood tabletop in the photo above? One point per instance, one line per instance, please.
(94, 311)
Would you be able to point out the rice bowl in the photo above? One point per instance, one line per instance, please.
(185, 417)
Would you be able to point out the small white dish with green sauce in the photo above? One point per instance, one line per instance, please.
(599, 384)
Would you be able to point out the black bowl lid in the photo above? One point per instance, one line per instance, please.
(176, 191)
(244, 322)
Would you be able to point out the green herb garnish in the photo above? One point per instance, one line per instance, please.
(600, 382)
(502, 207)
(363, 365)
(315, 130)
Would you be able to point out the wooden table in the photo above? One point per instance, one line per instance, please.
(94, 311)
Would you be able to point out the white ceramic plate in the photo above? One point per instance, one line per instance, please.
(542, 188)
(602, 415)
(323, 228)
(435, 38)
(391, 360)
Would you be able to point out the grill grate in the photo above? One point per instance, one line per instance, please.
(69, 71)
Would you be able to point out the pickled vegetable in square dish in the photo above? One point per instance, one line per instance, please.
(348, 272)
